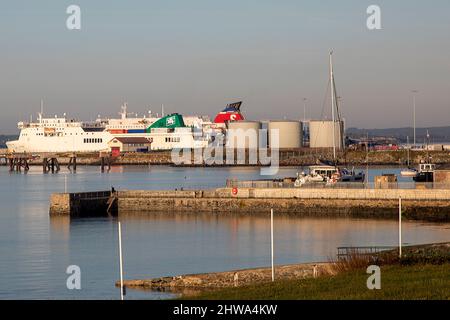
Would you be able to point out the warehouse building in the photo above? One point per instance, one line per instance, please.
(129, 144)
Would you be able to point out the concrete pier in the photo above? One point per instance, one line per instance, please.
(287, 157)
(83, 204)
(418, 204)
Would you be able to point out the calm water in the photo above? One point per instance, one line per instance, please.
(36, 250)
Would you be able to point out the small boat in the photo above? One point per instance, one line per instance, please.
(352, 176)
(410, 172)
(329, 175)
(426, 168)
(425, 173)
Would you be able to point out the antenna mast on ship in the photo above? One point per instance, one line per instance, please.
(123, 112)
(41, 114)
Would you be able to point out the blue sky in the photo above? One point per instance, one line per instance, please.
(196, 56)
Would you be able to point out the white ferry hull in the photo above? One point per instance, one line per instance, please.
(80, 141)
(61, 135)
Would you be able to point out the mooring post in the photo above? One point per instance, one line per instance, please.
(400, 227)
(271, 243)
(26, 166)
(74, 162)
(120, 260)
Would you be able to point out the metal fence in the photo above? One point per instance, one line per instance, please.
(90, 195)
(344, 253)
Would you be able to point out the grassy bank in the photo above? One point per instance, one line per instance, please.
(397, 282)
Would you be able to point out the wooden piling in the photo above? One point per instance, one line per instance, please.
(105, 160)
(17, 162)
(73, 162)
(45, 165)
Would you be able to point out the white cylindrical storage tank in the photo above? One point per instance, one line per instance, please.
(321, 134)
(289, 132)
(243, 134)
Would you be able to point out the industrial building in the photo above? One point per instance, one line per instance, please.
(243, 134)
(322, 136)
(290, 133)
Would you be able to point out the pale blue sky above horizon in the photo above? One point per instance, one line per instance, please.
(197, 56)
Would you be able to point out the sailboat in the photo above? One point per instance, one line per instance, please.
(331, 174)
(410, 172)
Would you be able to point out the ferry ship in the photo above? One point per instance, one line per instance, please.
(60, 134)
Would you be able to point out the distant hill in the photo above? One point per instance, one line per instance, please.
(4, 138)
(437, 134)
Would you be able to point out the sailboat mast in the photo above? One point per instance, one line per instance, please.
(407, 148)
(332, 106)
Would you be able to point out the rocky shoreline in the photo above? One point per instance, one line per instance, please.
(233, 278)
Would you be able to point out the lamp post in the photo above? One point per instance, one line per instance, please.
(414, 115)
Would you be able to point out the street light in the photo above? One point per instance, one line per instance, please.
(414, 114)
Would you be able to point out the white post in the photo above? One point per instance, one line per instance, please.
(400, 227)
(120, 260)
(367, 161)
(414, 112)
(271, 243)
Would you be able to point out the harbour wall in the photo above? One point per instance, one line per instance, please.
(82, 204)
(417, 204)
(287, 157)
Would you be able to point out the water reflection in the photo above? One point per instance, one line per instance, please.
(36, 250)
